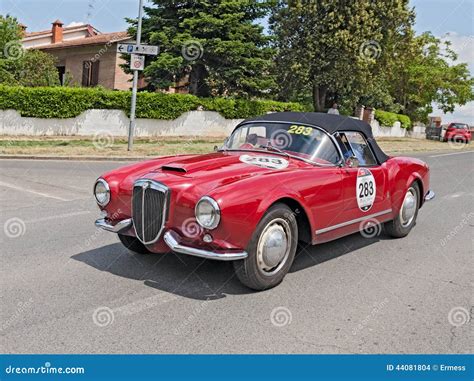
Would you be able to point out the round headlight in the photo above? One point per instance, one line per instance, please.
(102, 192)
(208, 214)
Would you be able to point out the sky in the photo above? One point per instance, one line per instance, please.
(452, 18)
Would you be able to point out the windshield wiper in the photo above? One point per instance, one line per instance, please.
(269, 147)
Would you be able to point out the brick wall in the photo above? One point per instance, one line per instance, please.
(111, 76)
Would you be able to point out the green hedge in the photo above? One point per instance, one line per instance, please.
(389, 118)
(63, 102)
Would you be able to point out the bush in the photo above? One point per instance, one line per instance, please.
(63, 102)
(389, 118)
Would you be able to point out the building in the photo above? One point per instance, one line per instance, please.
(84, 55)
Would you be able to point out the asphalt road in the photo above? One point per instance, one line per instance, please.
(67, 287)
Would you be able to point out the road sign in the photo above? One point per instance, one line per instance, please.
(150, 50)
(137, 62)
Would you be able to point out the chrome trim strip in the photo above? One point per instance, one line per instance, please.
(161, 188)
(354, 221)
(171, 239)
(117, 228)
(430, 195)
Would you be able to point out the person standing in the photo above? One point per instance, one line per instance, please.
(333, 110)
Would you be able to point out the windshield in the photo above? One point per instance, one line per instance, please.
(459, 126)
(300, 141)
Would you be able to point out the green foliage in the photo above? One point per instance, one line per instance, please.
(330, 49)
(387, 119)
(214, 45)
(426, 72)
(23, 67)
(61, 102)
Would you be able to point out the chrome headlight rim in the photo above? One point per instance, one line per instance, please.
(107, 190)
(217, 216)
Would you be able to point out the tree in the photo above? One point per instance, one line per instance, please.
(23, 67)
(214, 43)
(329, 48)
(427, 73)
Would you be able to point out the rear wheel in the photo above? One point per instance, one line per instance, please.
(133, 244)
(401, 225)
(271, 250)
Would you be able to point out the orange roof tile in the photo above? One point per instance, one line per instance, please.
(93, 40)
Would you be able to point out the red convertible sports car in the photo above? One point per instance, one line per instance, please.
(279, 179)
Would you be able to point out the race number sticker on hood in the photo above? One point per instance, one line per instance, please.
(271, 162)
(365, 189)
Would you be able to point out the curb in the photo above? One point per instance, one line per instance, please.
(77, 158)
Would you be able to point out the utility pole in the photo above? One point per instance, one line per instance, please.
(133, 108)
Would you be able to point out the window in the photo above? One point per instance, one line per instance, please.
(300, 141)
(90, 73)
(354, 144)
(62, 74)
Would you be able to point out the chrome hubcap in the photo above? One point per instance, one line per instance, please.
(273, 246)
(408, 210)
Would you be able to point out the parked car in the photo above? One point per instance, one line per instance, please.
(278, 179)
(458, 132)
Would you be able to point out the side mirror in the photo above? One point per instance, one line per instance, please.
(216, 148)
(352, 162)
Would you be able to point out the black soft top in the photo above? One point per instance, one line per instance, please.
(328, 122)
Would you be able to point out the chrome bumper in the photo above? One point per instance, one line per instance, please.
(117, 228)
(430, 195)
(172, 240)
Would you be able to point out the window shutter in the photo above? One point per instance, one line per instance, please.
(95, 73)
(86, 67)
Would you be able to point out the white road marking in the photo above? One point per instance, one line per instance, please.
(452, 153)
(32, 191)
(66, 215)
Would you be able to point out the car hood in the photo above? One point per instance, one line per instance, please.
(222, 168)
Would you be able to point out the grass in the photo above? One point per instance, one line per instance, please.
(158, 146)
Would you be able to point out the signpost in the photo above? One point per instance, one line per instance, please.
(137, 63)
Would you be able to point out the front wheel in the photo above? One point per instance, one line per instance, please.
(133, 244)
(271, 250)
(402, 224)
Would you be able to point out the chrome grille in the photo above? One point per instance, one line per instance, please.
(149, 209)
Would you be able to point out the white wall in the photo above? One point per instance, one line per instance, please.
(115, 122)
(396, 131)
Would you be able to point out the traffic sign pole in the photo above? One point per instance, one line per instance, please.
(133, 107)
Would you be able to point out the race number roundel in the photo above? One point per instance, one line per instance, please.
(271, 162)
(365, 189)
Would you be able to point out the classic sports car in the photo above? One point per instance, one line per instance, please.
(278, 179)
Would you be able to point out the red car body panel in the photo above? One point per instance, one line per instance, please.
(244, 192)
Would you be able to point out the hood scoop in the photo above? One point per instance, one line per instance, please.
(173, 168)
